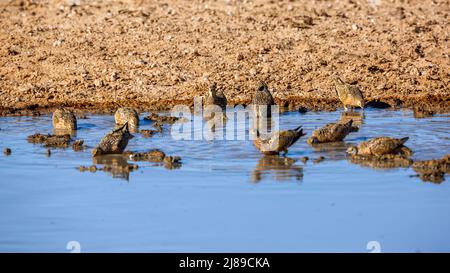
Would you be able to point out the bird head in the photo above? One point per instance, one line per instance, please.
(313, 140)
(126, 132)
(262, 86)
(213, 88)
(352, 150)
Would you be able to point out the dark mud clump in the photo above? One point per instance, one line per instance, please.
(92, 168)
(117, 170)
(433, 170)
(156, 156)
(151, 156)
(387, 161)
(159, 121)
(162, 119)
(7, 151)
(304, 159)
(148, 133)
(78, 145)
(172, 162)
(319, 159)
(57, 141)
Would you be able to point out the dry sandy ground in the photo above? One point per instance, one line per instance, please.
(97, 55)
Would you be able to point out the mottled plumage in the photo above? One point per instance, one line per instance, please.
(332, 132)
(350, 95)
(278, 141)
(215, 97)
(114, 142)
(127, 114)
(381, 146)
(262, 98)
(64, 120)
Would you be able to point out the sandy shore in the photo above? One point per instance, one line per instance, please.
(97, 55)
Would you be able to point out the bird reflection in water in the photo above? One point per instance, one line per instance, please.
(283, 169)
(62, 132)
(332, 150)
(383, 162)
(116, 165)
(357, 117)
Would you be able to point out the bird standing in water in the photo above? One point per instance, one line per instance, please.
(278, 141)
(216, 97)
(127, 114)
(261, 99)
(114, 142)
(332, 132)
(381, 146)
(64, 119)
(350, 95)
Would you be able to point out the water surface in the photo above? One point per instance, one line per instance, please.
(226, 197)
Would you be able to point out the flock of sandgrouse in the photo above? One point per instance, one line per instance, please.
(273, 143)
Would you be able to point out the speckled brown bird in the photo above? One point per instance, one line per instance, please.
(381, 146)
(127, 114)
(64, 119)
(262, 98)
(332, 132)
(350, 95)
(216, 97)
(277, 142)
(114, 142)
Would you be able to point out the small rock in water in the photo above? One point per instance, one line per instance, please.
(7, 151)
(172, 162)
(61, 141)
(77, 145)
(147, 133)
(319, 159)
(152, 156)
(433, 170)
(162, 119)
(304, 159)
(92, 168)
(302, 110)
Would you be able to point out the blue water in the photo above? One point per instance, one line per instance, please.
(225, 197)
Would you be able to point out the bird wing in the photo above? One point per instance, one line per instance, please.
(384, 145)
(285, 140)
(355, 91)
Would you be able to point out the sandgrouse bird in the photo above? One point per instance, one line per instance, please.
(277, 142)
(350, 95)
(262, 101)
(127, 114)
(114, 142)
(332, 132)
(380, 146)
(64, 119)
